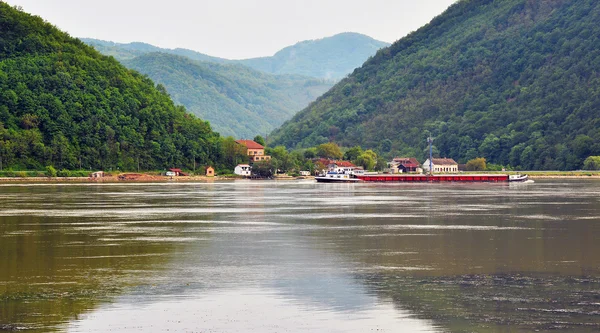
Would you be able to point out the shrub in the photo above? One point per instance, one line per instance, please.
(64, 173)
(50, 171)
(21, 174)
(476, 164)
(592, 163)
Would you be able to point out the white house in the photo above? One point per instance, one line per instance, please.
(441, 165)
(243, 170)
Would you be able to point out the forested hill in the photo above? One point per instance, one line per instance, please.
(63, 104)
(514, 81)
(237, 100)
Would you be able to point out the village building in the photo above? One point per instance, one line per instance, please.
(175, 172)
(441, 165)
(210, 172)
(403, 165)
(255, 151)
(243, 170)
(97, 174)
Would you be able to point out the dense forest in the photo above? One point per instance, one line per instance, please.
(237, 100)
(514, 81)
(65, 105)
(326, 58)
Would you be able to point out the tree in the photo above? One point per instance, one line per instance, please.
(592, 163)
(367, 160)
(353, 153)
(263, 169)
(260, 140)
(476, 164)
(310, 153)
(329, 150)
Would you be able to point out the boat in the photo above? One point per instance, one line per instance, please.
(518, 178)
(339, 175)
(420, 178)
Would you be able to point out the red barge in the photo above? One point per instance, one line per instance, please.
(441, 178)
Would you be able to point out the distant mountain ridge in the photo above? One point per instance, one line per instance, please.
(244, 98)
(237, 100)
(330, 57)
(514, 81)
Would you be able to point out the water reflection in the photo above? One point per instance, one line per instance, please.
(301, 256)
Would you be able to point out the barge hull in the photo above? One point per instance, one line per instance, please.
(435, 178)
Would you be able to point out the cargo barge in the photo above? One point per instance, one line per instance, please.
(442, 178)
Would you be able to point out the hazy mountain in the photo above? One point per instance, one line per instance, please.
(515, 81)
(237, 100)
(128, 51)
(331, 57)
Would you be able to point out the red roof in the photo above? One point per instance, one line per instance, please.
(175, 170)
(407, 161)
(443, 161)
(250, 144)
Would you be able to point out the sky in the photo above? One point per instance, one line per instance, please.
(233, 29)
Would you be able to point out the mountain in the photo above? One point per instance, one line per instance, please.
(63, 104)
(514, 81)
(331, 58)
(128, 51)
(328, 58)
(238, 101)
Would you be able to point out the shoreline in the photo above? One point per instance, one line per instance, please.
(168, 179)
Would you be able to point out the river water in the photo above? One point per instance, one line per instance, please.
(297, 256)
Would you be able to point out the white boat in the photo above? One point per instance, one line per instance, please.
(340, 175)
(518, 178)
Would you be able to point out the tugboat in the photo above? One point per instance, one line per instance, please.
(518, 178)
(340, 175)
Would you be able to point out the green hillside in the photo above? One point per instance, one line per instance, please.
(514, 81)
(64, 104)
(331, 57)
(235, 99)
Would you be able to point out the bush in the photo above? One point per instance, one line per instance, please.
(64, 173)
(21, 174)
(476, 164)
(592, 163)
(50, 171)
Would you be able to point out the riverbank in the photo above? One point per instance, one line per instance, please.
(111, 179)
(140, 178)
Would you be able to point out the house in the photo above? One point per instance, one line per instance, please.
(175, 172)
(402, 165)
(97, 174)
(256, 151)
(441, 165)
(407, 164)
(210, 172)
(243, 170)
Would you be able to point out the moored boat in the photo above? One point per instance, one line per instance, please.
(340, 175)
(518, 178)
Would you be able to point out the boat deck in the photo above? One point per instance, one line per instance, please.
(434, 178)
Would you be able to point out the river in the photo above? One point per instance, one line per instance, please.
(300, 256)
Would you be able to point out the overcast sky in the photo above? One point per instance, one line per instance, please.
(233, 29)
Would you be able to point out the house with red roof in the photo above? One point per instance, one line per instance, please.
(403, 165)
(255, 151)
